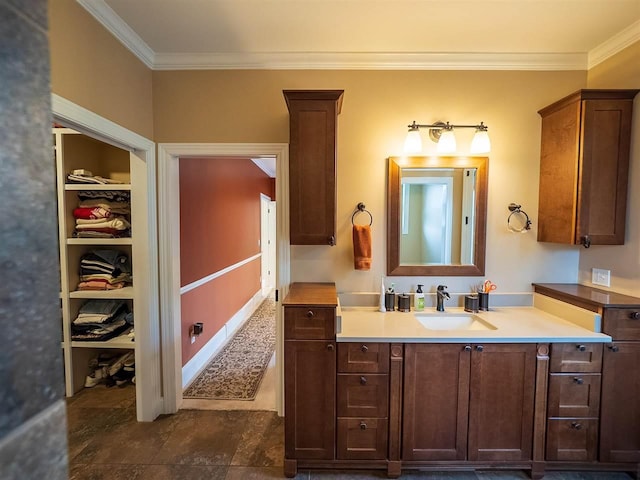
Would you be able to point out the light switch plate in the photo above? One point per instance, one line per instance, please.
(601, 277)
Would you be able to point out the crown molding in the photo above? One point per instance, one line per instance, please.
(267, 165)
(615, 44)
(370, 61)
(119, 29)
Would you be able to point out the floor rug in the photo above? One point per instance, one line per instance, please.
(236, 371)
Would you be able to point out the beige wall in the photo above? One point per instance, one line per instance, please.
(621, 71)
(247, 106)
(94, 70)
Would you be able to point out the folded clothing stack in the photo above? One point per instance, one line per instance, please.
(100, 320)
(104, 270)
(103, 214)
(85, 176)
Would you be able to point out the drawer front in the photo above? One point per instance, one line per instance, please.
(363, 357)
(363, 395)
(622, 323)
(309, 323)
(574, 395)
(572, 439)
(362, 438)
(576, 357)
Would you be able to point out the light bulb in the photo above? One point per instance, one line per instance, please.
(447, 142)
(480, 142)
(413, 142)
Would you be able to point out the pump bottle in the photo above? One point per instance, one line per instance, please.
(419, 300)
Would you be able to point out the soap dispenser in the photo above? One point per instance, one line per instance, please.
(419, 299)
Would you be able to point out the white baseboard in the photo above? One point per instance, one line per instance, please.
(200, 360)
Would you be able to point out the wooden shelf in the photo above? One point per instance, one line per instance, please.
(121, 341)
(124, 293)
(96, 186)
(100, 241)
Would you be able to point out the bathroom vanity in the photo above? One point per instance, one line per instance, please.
(528, 388)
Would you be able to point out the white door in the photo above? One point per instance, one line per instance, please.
(271, 281)
(264, 243)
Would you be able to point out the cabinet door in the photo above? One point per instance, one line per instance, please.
(620, 412)
(310, 392)
(436, 402)
(501, 402)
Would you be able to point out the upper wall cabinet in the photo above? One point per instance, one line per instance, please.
(312, 165)
(584, 167)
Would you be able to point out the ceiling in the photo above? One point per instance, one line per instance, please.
(359, 34)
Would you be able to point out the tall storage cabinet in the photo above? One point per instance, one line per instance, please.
(312, 165)
(584, 166)
(76, 151)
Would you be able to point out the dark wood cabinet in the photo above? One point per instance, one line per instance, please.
(584, 168)
(312, 165)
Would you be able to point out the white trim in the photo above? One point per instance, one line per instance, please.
(201, 359)
(110, 20)
(149, 401)
(613, 45)
(370, 61)
(267, 165)
(219, 273)
(169, 240)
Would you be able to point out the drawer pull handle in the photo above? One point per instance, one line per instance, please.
(363, 380)
(467, 348)
(330, 347)
(582, 348)
(614, 348)
(364, 348)
(479, 348)
(576, 425)
(363, 426)
(310, 314)
(578, 380)
(634, 315)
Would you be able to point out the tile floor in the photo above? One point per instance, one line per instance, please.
(106, 442)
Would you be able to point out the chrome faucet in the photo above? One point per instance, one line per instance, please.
(441, 293)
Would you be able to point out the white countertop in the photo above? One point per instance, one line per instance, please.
(513, 325)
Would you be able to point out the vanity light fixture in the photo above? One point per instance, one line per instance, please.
(442, 134)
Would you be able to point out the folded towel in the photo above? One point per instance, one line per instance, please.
(362, 247)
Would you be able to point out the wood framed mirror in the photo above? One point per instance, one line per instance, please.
(436, 216)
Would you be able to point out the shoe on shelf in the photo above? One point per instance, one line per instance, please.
(122, 377)
(119, 363)
(130, 364)
(94, 378)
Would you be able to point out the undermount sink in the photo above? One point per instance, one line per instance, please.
(454, 321)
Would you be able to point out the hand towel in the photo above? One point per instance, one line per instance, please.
(362, 247)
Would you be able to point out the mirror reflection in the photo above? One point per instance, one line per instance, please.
(437, 212)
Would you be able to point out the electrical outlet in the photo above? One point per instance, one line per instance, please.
(601, 277)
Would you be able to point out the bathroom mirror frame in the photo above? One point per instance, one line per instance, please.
(394, 216)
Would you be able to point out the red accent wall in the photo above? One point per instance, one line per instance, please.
(219, 226)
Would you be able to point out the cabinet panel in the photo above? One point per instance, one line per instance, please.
(363, 395)
(362, 438)
(308, 323)
(436, 402)
(622, 323)
(310, 389)
(572, 439)
(576, 357)
(574, 395)
(363, 357)
(501, 402)
(620, 413)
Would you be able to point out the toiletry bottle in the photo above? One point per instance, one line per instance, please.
(382, 292)
(419, 299)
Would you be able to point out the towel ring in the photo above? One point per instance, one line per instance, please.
(515, 209)
(360, 208)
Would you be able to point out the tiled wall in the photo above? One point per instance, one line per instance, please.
(33, 442)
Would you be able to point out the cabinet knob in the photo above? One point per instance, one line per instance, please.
(467, 348)
(585, 240)
(582, 348)
(614, 348)
(634, 315)
(363, 380)
(330, 347)
(578, 380)
(309, 314)
(363, 426)
(364, 348)
(331, 240)
(576, 425)
(479, 348)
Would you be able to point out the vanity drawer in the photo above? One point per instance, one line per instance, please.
(356, 357)
(309, 323)
(574, 395)
(576, 357)
(362, 438)
(622, 323)
(572, 439)
(363, 395)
